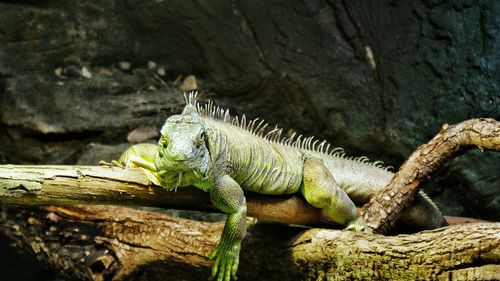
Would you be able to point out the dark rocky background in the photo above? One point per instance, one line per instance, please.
(82, 80)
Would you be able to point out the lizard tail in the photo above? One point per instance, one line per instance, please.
(423, 214)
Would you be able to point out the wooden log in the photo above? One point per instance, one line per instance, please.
(69, 185)
(117, 243)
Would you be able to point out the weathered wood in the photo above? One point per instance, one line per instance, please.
(39, 185)
(395, 197)
(69, 185)
(116, 243)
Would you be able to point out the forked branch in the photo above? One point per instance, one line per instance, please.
(385, 208)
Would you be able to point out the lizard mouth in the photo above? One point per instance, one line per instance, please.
(171, 183)
(174, 184)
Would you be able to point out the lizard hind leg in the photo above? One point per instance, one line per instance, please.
(321, 191)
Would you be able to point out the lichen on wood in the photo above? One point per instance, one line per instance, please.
(117, 243)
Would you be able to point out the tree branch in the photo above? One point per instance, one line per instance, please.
(385, 208)
(69, 185)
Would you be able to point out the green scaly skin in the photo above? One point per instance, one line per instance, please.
(204, 147)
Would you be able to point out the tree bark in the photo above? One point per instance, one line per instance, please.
(47, 185)
(384, 209)
(113, 243)
(69, 185)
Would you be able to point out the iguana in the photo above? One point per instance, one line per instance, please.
(207, 148)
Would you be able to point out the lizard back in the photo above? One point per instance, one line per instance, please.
(257, 164)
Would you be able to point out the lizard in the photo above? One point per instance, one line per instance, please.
(206, 147)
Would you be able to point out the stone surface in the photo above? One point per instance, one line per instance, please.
(48, 120)
(95, 152)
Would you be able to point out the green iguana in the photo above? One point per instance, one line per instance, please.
(207, 148)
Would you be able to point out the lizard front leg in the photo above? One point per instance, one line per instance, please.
(227, 196)
(139, 156)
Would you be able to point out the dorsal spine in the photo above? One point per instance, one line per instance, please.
(275, 135)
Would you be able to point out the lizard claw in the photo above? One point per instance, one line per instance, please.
(113, 163)
(358, 224)
(226, 262)
(104, 163)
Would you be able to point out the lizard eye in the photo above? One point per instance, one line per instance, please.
(163, 141)
(200, 140)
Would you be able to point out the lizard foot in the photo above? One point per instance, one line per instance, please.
(227, 258)
(358, 224)
(113, 163)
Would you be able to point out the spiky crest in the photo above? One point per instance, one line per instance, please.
(258, 129)
(190, 99)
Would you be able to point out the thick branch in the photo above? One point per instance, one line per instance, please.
(47, 185)
(113, 243)
(69, 185)
(384, 209)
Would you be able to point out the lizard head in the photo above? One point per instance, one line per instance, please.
(182, 148)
